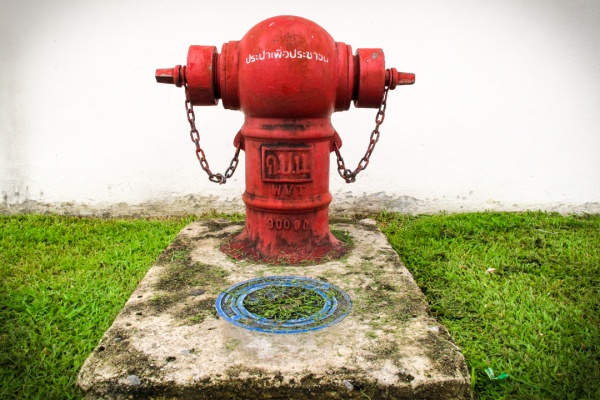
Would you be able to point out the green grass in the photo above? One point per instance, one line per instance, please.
(283, 303)
(536, 317)
(62, 282)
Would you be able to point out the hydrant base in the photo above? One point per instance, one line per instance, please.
(285, 237)
(243, 247)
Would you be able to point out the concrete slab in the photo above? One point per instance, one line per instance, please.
(169, 343)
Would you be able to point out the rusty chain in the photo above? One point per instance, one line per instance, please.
(348, 175)
(195, 136)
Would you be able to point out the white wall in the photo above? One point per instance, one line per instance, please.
(505, 113)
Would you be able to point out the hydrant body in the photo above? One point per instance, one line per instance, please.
(287, 75)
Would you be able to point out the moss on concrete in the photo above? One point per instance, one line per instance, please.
(386, 306)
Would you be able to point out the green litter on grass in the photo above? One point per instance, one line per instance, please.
(490, 374)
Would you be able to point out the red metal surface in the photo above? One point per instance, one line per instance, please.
(287, 75)
(371, 78)
(201, 75)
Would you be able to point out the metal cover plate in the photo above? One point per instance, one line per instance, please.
(230, 305)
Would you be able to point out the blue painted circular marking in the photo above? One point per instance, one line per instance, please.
(230, 305)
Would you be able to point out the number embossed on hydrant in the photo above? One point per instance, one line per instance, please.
(287, 224)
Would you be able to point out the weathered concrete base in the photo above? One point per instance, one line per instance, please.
(168, 343)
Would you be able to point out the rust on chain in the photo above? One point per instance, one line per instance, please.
(348, 175)
(195, 136)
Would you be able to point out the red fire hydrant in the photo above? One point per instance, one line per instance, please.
(287, 75)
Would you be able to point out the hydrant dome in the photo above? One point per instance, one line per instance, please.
(290, 24)
(286, 67)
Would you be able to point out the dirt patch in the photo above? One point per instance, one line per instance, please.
(182, 280)
(442, 352)
(196, 312)
(383, 302)
(237, 370)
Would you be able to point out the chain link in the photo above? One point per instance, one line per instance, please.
(195, 136)
(348, 175)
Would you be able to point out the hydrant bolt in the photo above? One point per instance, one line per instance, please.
(174, 76)
(165, 75)
(398, 78)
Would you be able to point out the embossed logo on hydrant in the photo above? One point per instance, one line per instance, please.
(286, 164)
